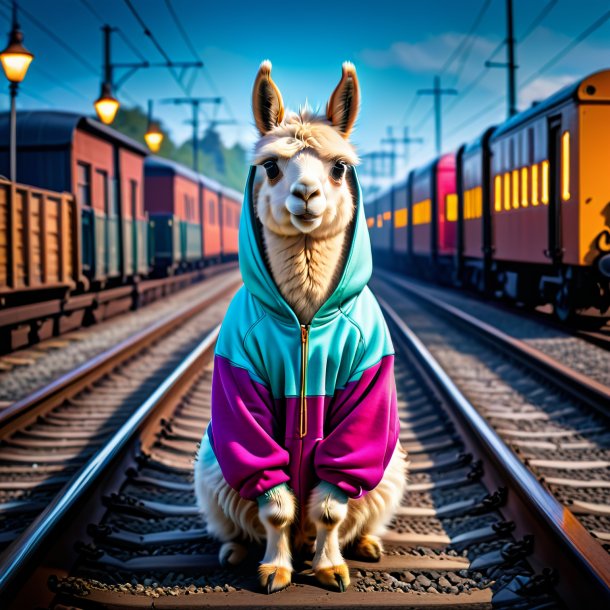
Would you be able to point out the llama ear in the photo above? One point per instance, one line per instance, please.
(267, 104)
(344, 103)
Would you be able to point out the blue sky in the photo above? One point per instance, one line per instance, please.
(397, 47)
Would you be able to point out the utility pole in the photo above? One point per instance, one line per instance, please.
(437, 92)
(510, 64)
(195, 103)
(405, 141)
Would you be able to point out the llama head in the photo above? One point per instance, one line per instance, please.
(305, 157)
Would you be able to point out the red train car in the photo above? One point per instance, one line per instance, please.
(173, 203)
(433, 213)
(231, 211)
(65, 151)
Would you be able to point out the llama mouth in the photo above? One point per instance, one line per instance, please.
(306, 217)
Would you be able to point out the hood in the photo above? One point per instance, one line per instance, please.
(258, 280)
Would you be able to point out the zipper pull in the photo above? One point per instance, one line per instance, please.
(304, 331)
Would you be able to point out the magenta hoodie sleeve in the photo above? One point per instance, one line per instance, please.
(363, 430)
(242, 430)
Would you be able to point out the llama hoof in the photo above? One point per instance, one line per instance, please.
(368, 548)
(335, 577)
(231, 554)
(274, 578)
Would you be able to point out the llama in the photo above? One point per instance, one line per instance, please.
(302, 450)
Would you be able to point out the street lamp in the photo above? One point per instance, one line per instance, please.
(153, 135)
(106, 105)
(16, 60)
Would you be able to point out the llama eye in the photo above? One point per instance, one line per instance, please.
(338, 171)
(273, 171)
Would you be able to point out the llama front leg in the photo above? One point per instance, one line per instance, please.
(328, 509)
(277, 510)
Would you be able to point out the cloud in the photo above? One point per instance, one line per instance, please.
(542, 87)
(428, 55)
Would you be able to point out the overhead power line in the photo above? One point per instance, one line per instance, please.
(574, 43)
(59, 41)
(466, 39)
(538, 19)
(180, 27)
(546, 9)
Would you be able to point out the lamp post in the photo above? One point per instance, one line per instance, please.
(16, 60)
(153, 136)
(106, 105)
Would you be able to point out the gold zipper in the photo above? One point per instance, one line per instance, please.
(304, 354)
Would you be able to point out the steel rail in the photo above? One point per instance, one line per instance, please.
(27, 409)
(18, 557)
(588, 556)
(576, 384)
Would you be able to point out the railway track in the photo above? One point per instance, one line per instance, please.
(553, 418)
(466, 534)
(475, 528)
(48, 439)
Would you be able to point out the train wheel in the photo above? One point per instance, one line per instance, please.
(563, 307)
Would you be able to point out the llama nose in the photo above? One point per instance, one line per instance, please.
(304, 191)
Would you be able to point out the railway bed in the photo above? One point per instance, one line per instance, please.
(464, 536)
(556, 427)
(49, 438)
(25, 371)
(475, 528)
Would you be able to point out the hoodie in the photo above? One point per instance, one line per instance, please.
(295, 404)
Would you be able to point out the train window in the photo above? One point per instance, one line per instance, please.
(401, 218)
(109, 202)
(511, 154)
(370, 222)
(565, 165)
(524, 185)
(515, 176)
(544, 195)
(133, 198)
(498, 192)
(212, 212)
(387, 215)
(535, 184)
(422, 212)
(478, 202)
(379, 220)
(451, 207)
(507, 191)
(83, 183)
(530, 146)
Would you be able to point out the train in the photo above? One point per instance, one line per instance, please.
(522, 212)
(91, 211)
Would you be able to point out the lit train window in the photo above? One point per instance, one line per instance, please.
(422, 212)
(524, 199)
(370, 222)
(478, 202)
(387, 215)
(507, 191)
(565, 165)
(401, 218)
(535, 184)
(451, 207)
(498, 193)
(544, 196)
(379, 220)
(515, 175)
